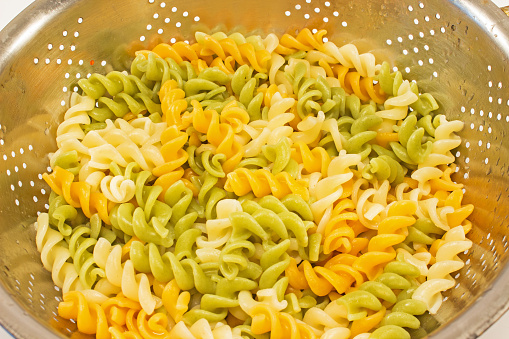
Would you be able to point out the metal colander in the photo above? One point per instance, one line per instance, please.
(457, 50)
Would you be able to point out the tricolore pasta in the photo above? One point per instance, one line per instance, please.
(248, 187)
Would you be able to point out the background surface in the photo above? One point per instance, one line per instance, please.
(10, 8)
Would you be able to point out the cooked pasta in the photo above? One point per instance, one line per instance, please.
(249, 187)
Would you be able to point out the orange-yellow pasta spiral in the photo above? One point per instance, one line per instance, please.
(366, 324)
(391, 231)
(445, 182)
(280, 325)
(153, 326)
(305, 41)
(461, 212)
(173, 104)
(362, 87)
(339, 233)
(243, 54)
(90, 318)
(262, 182)
(116, 309)
(336, 276)
(175, 301)
(268, 93)
(174, 155)
(234, 116)
(314, 160)
(227, 65)
(179, 51)
(78, 194)
(221, 131)
(117, 317)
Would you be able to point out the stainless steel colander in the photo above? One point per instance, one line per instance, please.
(457, 49)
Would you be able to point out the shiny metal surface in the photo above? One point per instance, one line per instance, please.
(457, 50)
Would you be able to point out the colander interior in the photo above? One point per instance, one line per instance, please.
(456, 50)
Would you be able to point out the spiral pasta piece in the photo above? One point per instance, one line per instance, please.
(122, 275)
(314, 160)
(391, 231)
(304, 41)
(54, 256)
(262, 183)
(173, 103)
(447, 261)
(174, 155)
(81, 243)
(349, 56)
(187, 273)
(149, 220)
(69, 133)
(396, 276)
(267, 319)
(323, 280)
(97, 85)
(78, 194)
(242, 51)
(363, 87)
(90, 318)
(179, 51)
(339, 233)
(221, 134)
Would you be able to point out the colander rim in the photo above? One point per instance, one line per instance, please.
(482, 313)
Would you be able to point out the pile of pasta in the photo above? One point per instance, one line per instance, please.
(249, 187)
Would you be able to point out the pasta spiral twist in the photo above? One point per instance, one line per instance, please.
(384, 167)
(348, 56)
(279, 324)
(391, 231)
(390, 82)
(187, 273)
(409, 149)
(78, 194)
(214, 307)
(314, 160)
(175, 156)
(113, 83)
(339, 233)
(362, 87)
(156, 69)
(119, 144)
(396, 276)
(173, 104)
(83, 239)
(149, 221)
(70, 132)
(242, 51)
(221, 134)
(90, 317)
(261, 182)
(245, 85)
(445, 141)
(179, 52)
(304, 41)
(313, 95)
(209, 196)
(121, 276)
(447, 261)
(322, 280)
(54, 256)
(122, 104)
